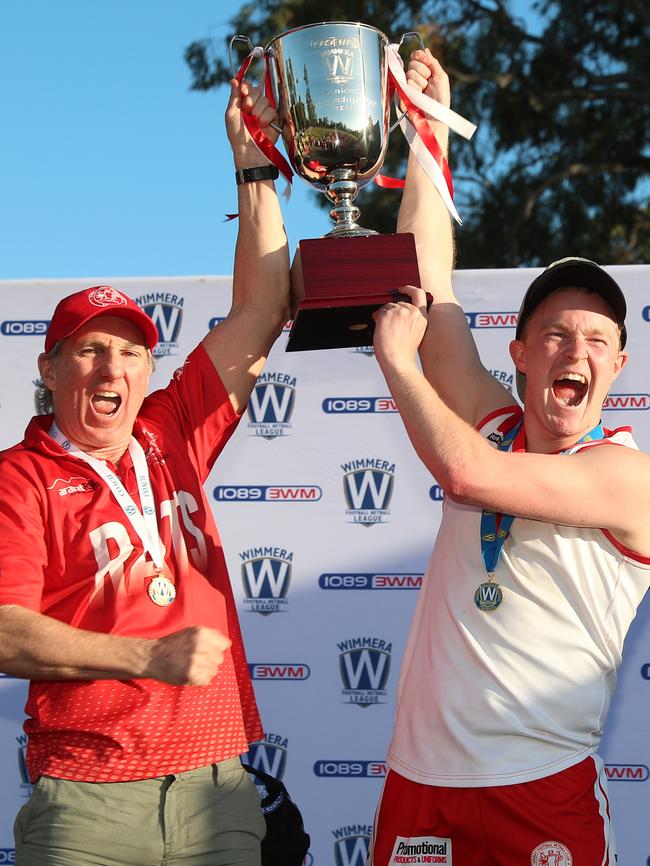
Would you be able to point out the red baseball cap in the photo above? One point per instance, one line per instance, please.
(77, 309)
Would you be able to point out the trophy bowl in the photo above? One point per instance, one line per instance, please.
(330, 85)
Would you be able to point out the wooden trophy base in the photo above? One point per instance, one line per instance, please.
(345, 281)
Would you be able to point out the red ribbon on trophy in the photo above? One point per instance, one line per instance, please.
(260, 138)
(418, 133)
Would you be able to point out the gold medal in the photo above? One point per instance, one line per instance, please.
(161, 590)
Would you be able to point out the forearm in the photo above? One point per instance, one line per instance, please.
(448, 446)
(240, 345)
(423, 212)
(261, 269)
(35, 646)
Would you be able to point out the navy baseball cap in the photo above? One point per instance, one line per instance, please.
(572, 272)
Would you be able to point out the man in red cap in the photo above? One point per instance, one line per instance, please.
(542, 556)
(114, 596)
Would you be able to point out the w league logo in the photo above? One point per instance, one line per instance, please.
(25, 784)
(266, 574)
(166, 311)
(269, 755)
(364, 665)
(368, 488)
(351, 845)
(271, 405)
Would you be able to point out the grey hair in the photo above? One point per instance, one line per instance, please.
(43, 402)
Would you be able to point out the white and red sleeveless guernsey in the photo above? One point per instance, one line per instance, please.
(519, 693)
(67, 550)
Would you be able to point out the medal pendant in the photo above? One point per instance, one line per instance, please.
(161, 590)
(488, 596)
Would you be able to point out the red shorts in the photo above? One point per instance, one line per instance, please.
(561, 820)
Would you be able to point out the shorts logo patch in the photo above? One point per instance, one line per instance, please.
(551, 854)
(421, 849)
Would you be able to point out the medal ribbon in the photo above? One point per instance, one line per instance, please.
(495, 527)
(143, 522)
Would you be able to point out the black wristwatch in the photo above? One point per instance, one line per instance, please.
(258, 172)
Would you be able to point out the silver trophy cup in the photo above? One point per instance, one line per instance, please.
(330, 87)
(329, 83)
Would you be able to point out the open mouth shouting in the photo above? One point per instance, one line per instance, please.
(570, 389)
(106, 403)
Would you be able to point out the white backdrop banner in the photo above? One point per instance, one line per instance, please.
(327, 519)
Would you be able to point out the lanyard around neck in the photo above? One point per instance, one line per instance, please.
(495, 528)
(143, 522)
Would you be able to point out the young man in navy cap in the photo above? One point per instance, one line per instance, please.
(542, 557)
(114, 596)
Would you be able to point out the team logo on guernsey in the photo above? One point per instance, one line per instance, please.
(351, 845)
(551, 854)
(25, 784)
(7, 855)
(266, 575)
(166, 311)
(421, 849)
(269, 755)
(368, 488)
(72, 485)
(364, 665)
(106, 296)
(491, 320)
(271, 405)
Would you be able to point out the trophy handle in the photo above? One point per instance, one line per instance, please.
(234, 72)
(411, 34)
(240, 38)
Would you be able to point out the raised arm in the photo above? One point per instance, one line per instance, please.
(239, 345)
(568, 489)
(448, 354)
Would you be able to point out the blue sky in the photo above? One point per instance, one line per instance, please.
(109, 164)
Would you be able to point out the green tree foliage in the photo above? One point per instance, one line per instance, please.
(561, 162)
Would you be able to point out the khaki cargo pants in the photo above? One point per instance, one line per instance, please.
(210, 816)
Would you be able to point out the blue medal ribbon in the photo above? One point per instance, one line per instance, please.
(495, 528)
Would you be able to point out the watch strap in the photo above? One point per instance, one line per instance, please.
(257, 172)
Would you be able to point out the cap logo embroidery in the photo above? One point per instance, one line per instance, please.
(106, 296)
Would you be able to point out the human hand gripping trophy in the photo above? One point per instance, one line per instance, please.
(332, 84)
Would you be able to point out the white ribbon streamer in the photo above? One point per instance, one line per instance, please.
(434, 109)
(431, 107)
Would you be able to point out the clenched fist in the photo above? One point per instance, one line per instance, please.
(190, 657)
